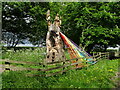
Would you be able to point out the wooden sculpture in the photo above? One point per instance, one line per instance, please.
(54, 43)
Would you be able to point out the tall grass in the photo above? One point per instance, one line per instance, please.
(97, 76)
(36, 55)
(100, 75)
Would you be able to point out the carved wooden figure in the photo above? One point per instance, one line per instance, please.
(54, 43)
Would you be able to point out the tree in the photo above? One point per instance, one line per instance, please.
(14, 21)
(90, 24)
(104, 29)
(87, 24)
(23, 20)
(38, 24)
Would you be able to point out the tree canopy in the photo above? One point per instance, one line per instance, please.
(88, 24)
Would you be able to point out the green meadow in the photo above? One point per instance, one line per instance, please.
(100, 75)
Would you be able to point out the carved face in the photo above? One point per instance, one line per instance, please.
(53, 28)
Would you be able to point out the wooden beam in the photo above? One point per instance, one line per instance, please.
(20, 62)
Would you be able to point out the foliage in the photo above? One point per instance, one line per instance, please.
(22, 20)
(93, 23)
(14, 24)
(87, 24)
(36, 55)
(38, 24)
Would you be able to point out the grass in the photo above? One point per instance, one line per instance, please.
(36, 55)
(100, 75)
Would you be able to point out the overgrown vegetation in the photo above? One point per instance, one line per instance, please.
(90, 25)
(36, 55)
(100, 75)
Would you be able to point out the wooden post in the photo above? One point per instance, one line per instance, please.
(7, 65)
(93, 55)
(54, 43)
(63, 67)
(100, 55)
(105, 55)
(108, 54)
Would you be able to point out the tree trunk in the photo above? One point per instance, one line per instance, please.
(105, 48)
